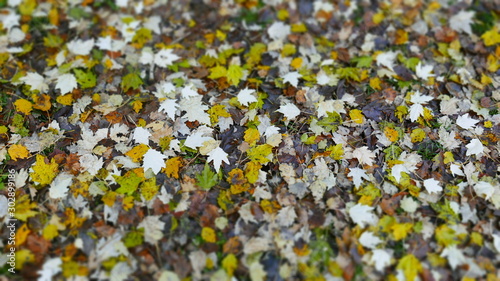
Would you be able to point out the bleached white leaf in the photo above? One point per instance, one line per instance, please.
(141, 135)
(330, 106)
(286, 216)
(424, 72)
(456, 170)
(120, 272)
(462, 21)
(358, 175)
(196, 140)
(408, 204)
(246, 213)
(397, 170)
(218, 155)
(66, 83)
(381, 259)
(165, 57)
(59, 187)
(91, 163)
(455, 256)
(290, 111)
(3, 206)
(448, 140)
(169, 107)
(417, 97)
(475, 147)
(81, 47)
(484, 189)
(416, 110)
(466, 122)
(257, 272)
(432, 186)
(195, 110)
(362, 215)
(292, 78)
(369, 240)
(278, 30)
(189, 91)
(155, 160)
(245, 96)
(50, 268)
(153, 228)
(168, 275)
(35, 81)
(496, 242)
(364, 155)
(16, 35)
(387, 59)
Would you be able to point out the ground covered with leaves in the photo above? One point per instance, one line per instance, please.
(285, 140)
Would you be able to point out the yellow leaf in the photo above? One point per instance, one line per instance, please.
(24, 208)
(44, 173)
(173, 166)
(137, 106)
(149, 188)
(42, 102)
(400, 230)
(24, 106)
(208, 234)
(54, 16)
(296, 63)
(378, 18)
(230, 263)
(252, 135)
(445, 236)
(252, 171)
(50, 232)
(299, 28)
(375, 83)
(488, 124)
(220, 35)
(260, 153)
(485, 79)
(128, 202)
(66, 99)
(282, 14)
(288, 50)
(17, 151)
(109, 198)
(137, 152)
(216, 111)
(417, 135)
(491, 37)
(237, 181)
(23, 256)
(336, 151)
(356, 115)
(410, 266)
(476, 238)
(401, 37)
(391, 134)
(21, 234)
(492, 63)
(448, 157)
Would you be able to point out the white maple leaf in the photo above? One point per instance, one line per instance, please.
(195, 109)
(278, 30)
(292, 78)
(455, 256)
(462, 21)
(496, 242)
(416, 110)
(408, 204)
(189, 91)
(91, 163)
(364, 155)
(246, 96)
(165, 58)
(381, 259)
(155, 160)
(424, 72)
(474, 147)
(153, 228)
(358, 175)
(369, 240)
(485, 189)
(35, 81)
(218, 155)
(141, 135)
(50, 268)
(196, 140)
(417, 97)
(81, 47)
(432, 186)
(362, 215)
(286, 216)
(169, 107)
(456, 170)
(387, 59)
(66, 83)
(59, 187)
(290, 111)
(397, 170)
(466, 122)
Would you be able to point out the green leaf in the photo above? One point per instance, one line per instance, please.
(86, 79)
(392, 152)
(128, 183)
(331, 122)
(207, 179)
(350, 73)
(131, 80)
(364, 61)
